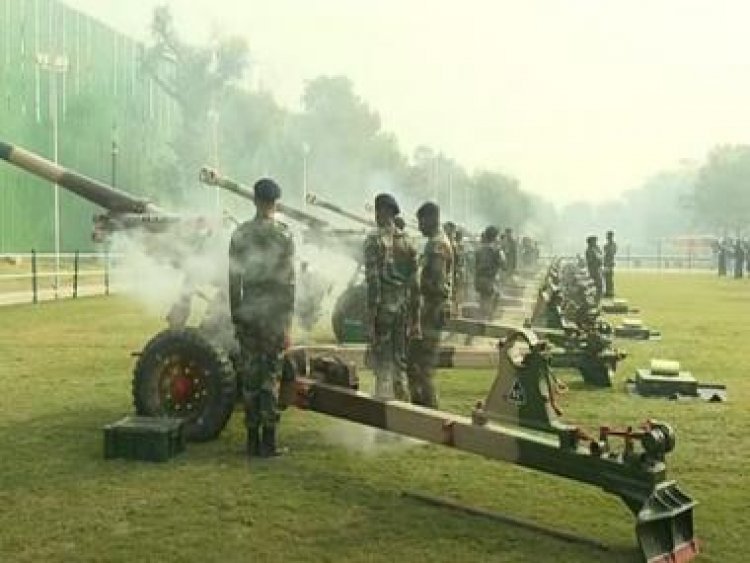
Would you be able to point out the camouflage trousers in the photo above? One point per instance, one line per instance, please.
(596, 277)
(423, 356)
(388, 355)
(259, 371)
(609, 281)
(488, 304)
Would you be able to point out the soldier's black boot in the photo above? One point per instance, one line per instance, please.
(268, 446)
(253, 441)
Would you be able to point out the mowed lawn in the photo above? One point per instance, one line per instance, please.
(65, 372)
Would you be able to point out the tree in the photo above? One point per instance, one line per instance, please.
(195, 77)
(497, 200)
(721, 194)
(348, 152)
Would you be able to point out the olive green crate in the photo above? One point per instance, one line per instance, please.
(144, 438)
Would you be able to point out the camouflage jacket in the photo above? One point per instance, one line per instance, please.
(459, 263)
(488, 262)
(610, 250)
(390, 269)
(261, 272)
(594, 259)
(436, 270)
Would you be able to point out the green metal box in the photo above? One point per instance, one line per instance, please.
(354, 331)
(144, 438)
(650, 383)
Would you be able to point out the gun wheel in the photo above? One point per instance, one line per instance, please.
(181, 374)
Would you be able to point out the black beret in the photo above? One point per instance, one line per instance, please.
(591, 238)
(387, 200)
(428, 209)
(491, 232)
(449, 226)
(399, 222)
(266, 189)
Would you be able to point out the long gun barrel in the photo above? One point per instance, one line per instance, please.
(316, 200)
(108, 197)
(212, 177)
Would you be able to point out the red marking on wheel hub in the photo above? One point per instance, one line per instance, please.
(182, 388)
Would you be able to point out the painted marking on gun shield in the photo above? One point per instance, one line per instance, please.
(517, 393)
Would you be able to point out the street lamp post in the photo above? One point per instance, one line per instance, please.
(466, 203)
(115, 151)
(450, 196)
(56, 65)
(213, 117)
(305, 152)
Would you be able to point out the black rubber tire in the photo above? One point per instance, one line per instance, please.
(212, 413)
(352, 304)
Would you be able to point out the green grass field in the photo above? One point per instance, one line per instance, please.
(65, 372)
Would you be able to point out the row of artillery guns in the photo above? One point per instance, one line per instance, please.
(186, 372)
(564, 314)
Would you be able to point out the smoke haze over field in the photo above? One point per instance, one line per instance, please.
(579, 100)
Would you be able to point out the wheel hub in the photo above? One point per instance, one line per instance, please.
(182, 386)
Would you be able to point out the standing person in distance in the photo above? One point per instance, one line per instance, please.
(610, 251)
(511, 252)
(450, 230)
(594, 260)
(488, 262)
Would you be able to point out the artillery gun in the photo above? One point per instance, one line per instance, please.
(124, 211)
(566, 313)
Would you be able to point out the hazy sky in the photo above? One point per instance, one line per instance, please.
(579, 99)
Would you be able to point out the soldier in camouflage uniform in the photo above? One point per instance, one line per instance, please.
(489, 261)
(594, 259)
(390, 271)
(261, 298)
(610, 250)
(511, 251)
(459, 268)
(435, 280)
(449, 228)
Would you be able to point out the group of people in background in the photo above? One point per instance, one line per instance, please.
(496, 260)
(733, 255)
(600, 263)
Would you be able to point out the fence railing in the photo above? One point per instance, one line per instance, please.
(672, 262)
(35, 276)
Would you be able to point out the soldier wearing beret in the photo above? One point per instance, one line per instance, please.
(435, 290)
(489, 262)
(261, 298)
(450, 229)
(459, 267)
(594, 260)
(610, 251)
(390, 271)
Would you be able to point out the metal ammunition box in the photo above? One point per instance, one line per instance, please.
(144, 438)
(649, 383)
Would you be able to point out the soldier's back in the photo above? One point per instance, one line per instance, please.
(262, 252)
